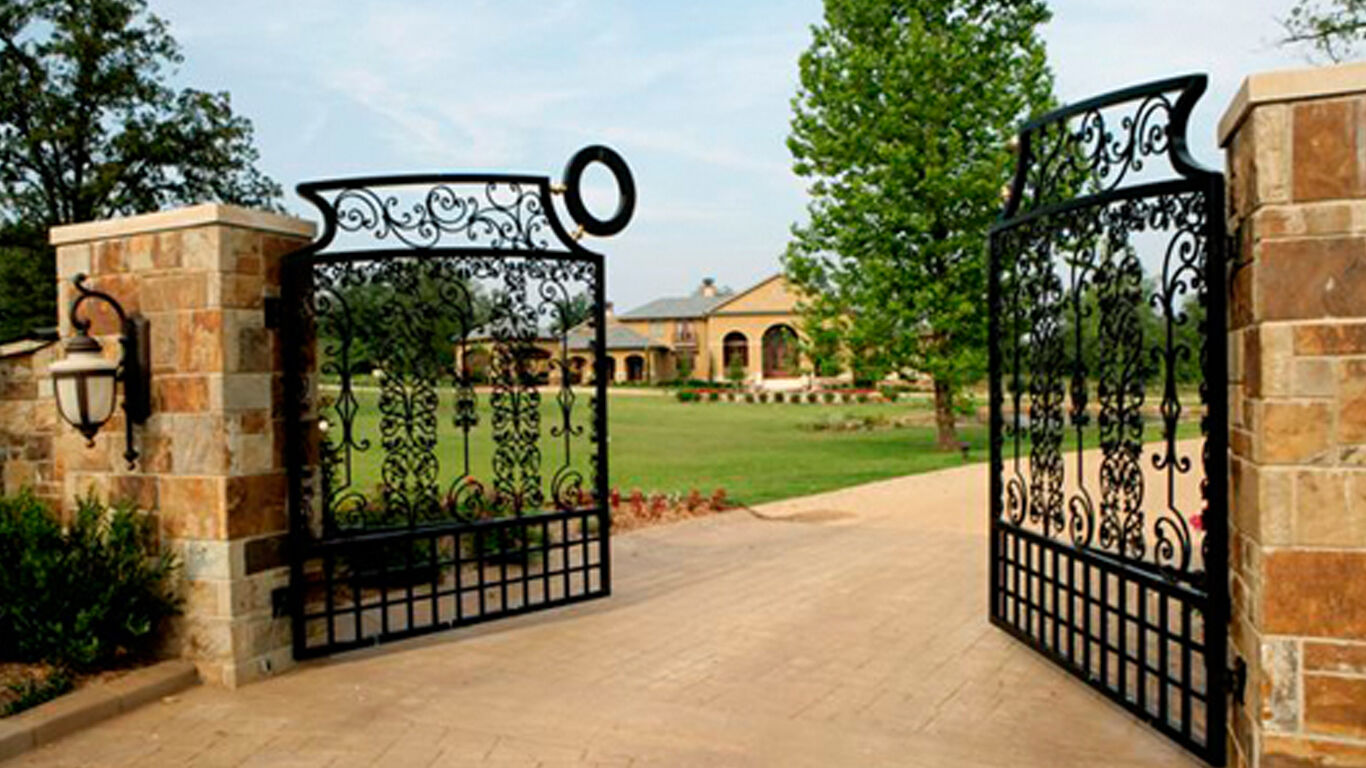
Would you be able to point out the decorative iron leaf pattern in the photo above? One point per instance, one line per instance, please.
(1095, 152)
(444, 465)
(1079, 273)
(413, 386)
(499, 216)
(460, 346)
(1106, 280)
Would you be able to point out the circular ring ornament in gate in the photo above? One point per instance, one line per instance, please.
(573, 193)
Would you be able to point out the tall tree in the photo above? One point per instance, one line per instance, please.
(90, 129)
(1332, 27)
(901, 124)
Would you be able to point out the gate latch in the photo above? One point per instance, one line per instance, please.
(1237, 680)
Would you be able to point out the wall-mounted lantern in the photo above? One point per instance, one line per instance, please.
(86, 382)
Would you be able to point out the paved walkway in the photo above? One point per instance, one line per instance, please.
(852, 634)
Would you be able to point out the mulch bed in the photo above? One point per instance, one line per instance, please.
(15, 678)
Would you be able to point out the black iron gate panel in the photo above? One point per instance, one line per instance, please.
(1108, 408)
(446, 413)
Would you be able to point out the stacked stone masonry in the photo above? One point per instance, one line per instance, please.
(28, 420)
(1297, 195)
(211, 469)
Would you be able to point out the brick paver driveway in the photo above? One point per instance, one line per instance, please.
(852, 634)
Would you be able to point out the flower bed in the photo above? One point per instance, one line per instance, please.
(843, 396)
(639, 510)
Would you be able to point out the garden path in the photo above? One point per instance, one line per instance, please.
(852, 634)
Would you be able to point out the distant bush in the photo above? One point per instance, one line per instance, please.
(85, 597)
(687, 396)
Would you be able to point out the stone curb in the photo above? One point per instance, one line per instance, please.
(86, 707)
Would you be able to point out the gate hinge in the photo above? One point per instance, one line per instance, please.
(1237, 680)
(272, 312)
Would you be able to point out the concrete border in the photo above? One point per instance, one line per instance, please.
(91, 705)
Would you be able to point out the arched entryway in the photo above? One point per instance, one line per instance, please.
(735, 355)
(609, 365)
(635, 368)
(780, 352)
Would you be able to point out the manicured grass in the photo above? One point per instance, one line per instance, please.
(756, 452)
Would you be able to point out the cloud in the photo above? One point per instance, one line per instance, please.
(694, 94)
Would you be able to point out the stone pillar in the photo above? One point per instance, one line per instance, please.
(1296, 144)
(211, 467)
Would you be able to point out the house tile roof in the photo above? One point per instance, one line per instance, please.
(678, 307)
(618, 337)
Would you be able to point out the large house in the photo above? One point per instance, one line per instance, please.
(748, 337)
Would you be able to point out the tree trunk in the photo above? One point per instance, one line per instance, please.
(946, 429)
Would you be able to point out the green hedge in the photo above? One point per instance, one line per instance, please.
(86, 596)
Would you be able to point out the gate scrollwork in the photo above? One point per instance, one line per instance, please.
(1107, 359)
(446, 408)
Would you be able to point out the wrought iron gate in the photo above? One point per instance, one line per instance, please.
(1107, 292)
(446, 413)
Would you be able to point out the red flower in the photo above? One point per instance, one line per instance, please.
(1197, 522)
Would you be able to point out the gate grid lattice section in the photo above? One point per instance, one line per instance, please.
(1108, 407)
(446, 412)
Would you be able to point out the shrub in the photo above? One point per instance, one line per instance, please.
(735, 372)
(84, 597)
(713, 396)
(687, 396)
(829, 397)
(749, 397)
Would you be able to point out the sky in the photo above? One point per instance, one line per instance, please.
(695, 95)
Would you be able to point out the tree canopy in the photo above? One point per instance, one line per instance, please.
(901, 124)
(1332, 27)
(90, 128)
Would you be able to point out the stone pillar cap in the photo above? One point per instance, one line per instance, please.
(1290, 85)
(182, 218)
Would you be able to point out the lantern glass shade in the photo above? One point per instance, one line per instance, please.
(85, 387)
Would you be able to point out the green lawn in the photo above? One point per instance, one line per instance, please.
(756, 452)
